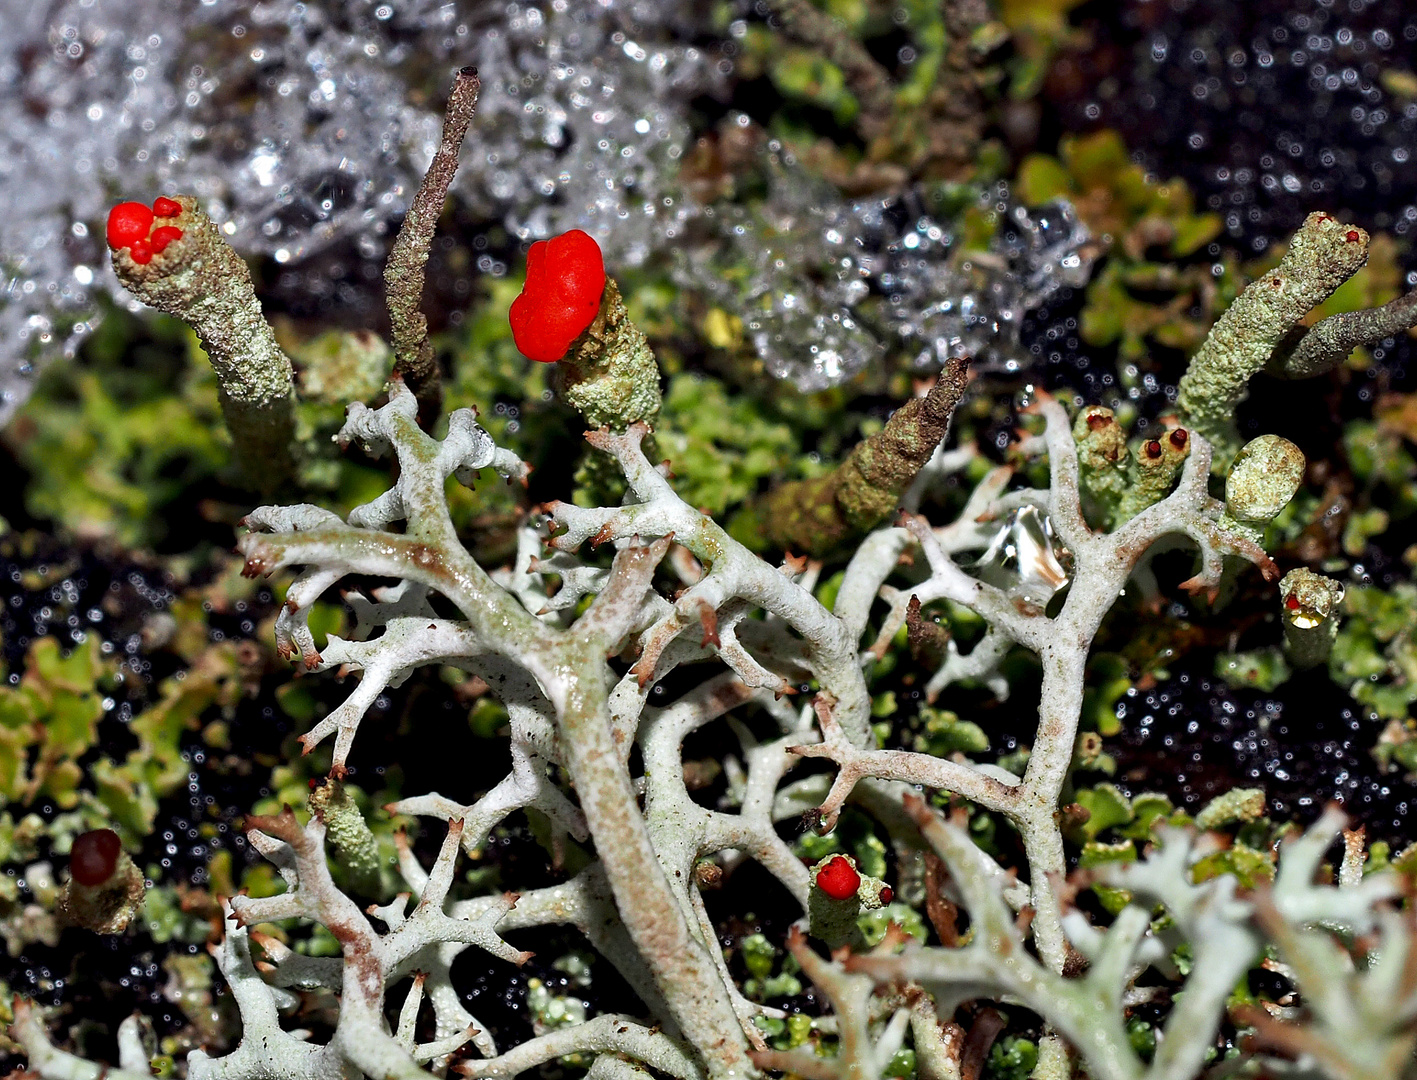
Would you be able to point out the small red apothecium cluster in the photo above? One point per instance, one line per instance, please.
(130, 225)
(565, 279)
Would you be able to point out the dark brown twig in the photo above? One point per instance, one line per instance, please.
(942, 911)
(818, 516)
(982, 1033)
(867, 79)
(1327, 344)
(403, 274)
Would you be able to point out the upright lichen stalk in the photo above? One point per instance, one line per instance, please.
(201, 280)
(403, 274)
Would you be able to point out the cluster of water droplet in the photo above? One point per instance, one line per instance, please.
(1274, 108)
(301, 123)
(825, 285)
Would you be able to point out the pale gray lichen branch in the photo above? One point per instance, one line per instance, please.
(1101, 566)
(575, 718)
(1224, 933)
(498, 631)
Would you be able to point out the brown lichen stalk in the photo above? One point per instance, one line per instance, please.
(817, 516)
(403, 274)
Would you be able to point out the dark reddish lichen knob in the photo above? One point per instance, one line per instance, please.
(839, 879)
(94, 856)
(565, 279)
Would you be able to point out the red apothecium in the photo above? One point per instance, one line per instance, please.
(565, 279)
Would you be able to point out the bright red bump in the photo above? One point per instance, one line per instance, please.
(838, 879)
(1292, 603)
(1352, 236)
(162, 236)
(565, 279)
(94, 856)
(142, 251)
(128, 222)
(887, 894)
(165, 207)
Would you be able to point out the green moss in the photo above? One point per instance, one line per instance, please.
(1374, 654)
(945, 734)
(115, 436)
(1011, 1058)
(721, 448)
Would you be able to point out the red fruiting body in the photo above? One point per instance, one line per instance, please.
(94, 856)
(1153, 449)
(838, 879)
(887, 894)
(142, 251)
(1352, 236)
(565, 279)
(162, 236)
(1292, 603)
(128, 222)
(165, 207)
(1178, 437)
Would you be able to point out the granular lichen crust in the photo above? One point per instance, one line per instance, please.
(1263, 478)
(609, 373)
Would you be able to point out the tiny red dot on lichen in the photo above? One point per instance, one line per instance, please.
(1352, 236)
(141, 250)
(839, 879)
(1292, 603)
(1179, 437)
(1153, 449)
(162, 236)
(1095, 421)
(165, 207)
(565, 280)
(887, 894)
(94, 856)
(127, 223)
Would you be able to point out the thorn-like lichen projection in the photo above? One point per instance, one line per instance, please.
(201, 280)
(1308, 606)
(403, 274)
(818, 516)
(609, 373)
(1323, 254)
